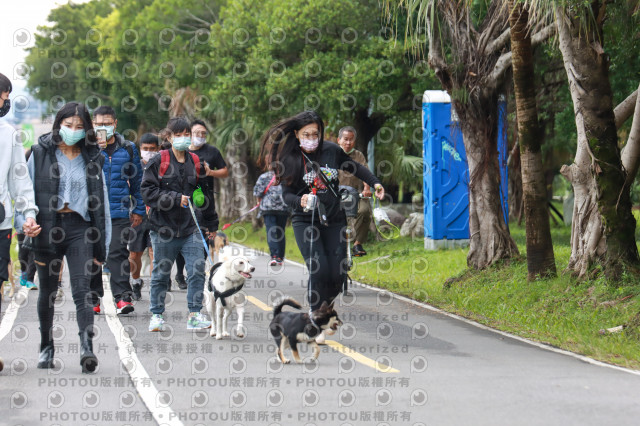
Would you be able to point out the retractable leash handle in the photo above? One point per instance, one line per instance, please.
(380, 217)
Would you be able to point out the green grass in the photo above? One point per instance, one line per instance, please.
(561, 311)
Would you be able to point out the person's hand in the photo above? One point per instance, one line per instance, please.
(31, 228)
(207, 169)
(135, 219)
(303, 200)
(184, 201)
(379, 191)
(366, 193)
(211, 235)
(95, 261)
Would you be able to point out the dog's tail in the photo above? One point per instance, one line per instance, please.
(285, 302)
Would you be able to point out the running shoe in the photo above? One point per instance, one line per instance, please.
(156, 323)
(124, 307)
(197, 321)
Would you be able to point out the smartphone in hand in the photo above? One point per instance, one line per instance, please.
(102, 138)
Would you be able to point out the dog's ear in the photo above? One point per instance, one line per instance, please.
(324, 306)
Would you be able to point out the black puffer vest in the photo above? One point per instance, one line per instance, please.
(46, 182)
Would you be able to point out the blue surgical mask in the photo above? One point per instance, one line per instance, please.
(71, 137)
(109, 129)
(182, 143)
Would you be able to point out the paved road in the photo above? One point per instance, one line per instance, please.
(392, 363)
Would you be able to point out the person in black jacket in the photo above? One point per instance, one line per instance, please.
(71, 194)
(307, 165)
(168, 184)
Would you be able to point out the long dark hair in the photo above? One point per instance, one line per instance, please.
(69, 110)
(283, 148)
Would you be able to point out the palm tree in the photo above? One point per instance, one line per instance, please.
(540, 259)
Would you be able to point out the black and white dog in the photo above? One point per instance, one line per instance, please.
(226, 279)
(290, 328)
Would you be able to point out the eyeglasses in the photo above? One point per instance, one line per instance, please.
(309, 135)
(200, 134)
(103, 124)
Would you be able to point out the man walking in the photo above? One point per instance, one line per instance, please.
(123, 174)
(347, 140)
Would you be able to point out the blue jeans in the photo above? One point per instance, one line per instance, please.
(275, 225)
(164, 254)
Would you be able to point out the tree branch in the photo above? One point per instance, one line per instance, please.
(435, 57)
(542, 35)
(631, 151)
(498, 43)
(502, 65)
(504, 62)
(625, 109)
(202, 21)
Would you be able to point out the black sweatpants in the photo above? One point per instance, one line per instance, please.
(71, 230)
(327, 263)
(25, 257)
(117, 262)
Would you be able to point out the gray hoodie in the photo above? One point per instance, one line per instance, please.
(15, 182)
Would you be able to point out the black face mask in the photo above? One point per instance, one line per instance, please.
(5, 108)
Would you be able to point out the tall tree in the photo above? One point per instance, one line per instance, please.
(603, 225)
(540, 259)
(466, 49)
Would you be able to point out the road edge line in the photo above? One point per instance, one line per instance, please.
(539, 345)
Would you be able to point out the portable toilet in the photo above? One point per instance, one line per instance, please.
(446, 173)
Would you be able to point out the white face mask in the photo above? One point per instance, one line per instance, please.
(147, 155)
(198, 141)
(309, 145)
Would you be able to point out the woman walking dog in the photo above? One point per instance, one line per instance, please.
(307, 167)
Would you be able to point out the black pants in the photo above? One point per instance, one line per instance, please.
(275, 225)
(25, 257)
(327, 263)
(5, 257)
(71, 230)
(117, 262)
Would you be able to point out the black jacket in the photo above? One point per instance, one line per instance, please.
(330, 158)
(163, 197)
(46, 183)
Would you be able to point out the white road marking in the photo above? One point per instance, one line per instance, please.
(148, 392)
(12, 311)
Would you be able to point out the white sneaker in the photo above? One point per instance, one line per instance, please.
(197, 321)
(156, 323)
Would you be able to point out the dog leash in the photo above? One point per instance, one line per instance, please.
(204, 241)
(226, 225)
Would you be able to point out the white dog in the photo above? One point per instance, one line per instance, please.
(226, 279)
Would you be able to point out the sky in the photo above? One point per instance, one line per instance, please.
(20, 20)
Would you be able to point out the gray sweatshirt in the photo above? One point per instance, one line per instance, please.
(15, 182)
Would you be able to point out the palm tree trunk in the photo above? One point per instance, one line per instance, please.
(540, 259)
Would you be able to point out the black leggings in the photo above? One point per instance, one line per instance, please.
(79, 253)
(25, 257)
(327, 264)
